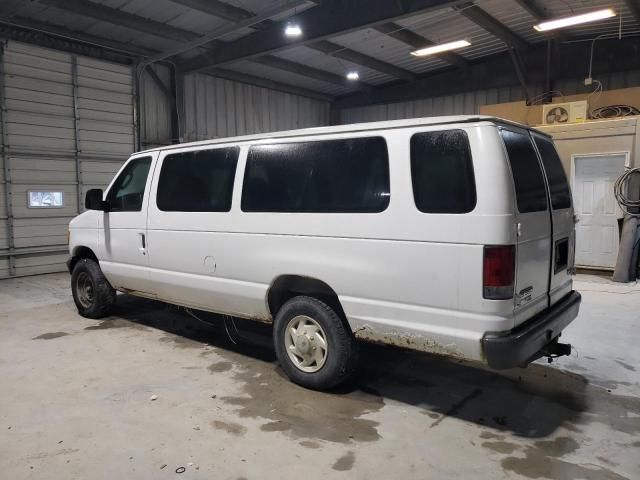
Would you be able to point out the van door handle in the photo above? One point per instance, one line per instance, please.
(143, 244)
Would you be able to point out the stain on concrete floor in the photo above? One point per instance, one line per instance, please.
(501, 446)
(219, 367)
(230, 427)
(345, 462)
(50, 336)
(114, 323)
(309, 444)
(544, 460)
(298, 412)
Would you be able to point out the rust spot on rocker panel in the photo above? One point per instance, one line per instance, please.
(403, 340)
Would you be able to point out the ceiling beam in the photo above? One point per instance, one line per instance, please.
(237, 14)
(416, 41)
(214, 36)
(338, 51)
(493, 26)
(533, 8)
(217, 9)
(60, 38)
(231, 12)
(327, 19)
(497, 71)
(634, 7)
(310, 72)
(266, 83)
(123, 19)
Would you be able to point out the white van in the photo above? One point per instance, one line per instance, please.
(451, 235)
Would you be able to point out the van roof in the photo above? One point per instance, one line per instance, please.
(353, 127)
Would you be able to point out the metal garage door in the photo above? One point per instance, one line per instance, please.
(67, 126)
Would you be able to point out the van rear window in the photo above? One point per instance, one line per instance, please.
(442, 172)
(531, 194)
(558, 186)
(327, 176)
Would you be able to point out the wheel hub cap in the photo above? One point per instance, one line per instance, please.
(306, 343)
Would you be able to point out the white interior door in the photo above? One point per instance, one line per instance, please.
(597, 209)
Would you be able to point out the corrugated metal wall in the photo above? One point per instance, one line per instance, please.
(155, 109)
(215, 107)
(470, 103)
(67, 126)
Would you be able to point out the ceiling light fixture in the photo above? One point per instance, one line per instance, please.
(353, 76)
(293, 30)
(575, 20)
(443, 47)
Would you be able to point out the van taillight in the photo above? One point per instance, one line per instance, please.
(498, 272)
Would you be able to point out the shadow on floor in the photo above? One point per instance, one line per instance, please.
(530, 402)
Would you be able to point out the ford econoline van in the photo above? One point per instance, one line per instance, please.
(449, 235)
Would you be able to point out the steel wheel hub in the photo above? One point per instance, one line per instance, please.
(84, 290)
(306, 343)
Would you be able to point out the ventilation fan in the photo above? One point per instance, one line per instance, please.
(560, 113)
(557, 115)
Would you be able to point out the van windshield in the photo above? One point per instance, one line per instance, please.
(531, 194)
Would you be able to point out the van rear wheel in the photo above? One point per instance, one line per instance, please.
(93, 295)
(314, 345)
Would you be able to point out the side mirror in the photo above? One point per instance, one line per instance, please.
(93, 200)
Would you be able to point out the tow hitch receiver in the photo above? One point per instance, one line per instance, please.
(555, 349)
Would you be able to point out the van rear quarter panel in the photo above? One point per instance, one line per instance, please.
(402, 276)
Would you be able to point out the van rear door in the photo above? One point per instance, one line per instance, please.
(532, 224)
(563, 245)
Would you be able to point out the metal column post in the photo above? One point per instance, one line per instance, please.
(6, 158)
(135, 97)
(76, 127)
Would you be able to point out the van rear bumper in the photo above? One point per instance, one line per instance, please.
(523, 344)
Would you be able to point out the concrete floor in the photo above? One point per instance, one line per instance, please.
(75, 401)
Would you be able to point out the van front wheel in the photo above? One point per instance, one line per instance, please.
(93, 295)
(315, 347)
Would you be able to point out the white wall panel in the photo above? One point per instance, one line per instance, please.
(216, 108)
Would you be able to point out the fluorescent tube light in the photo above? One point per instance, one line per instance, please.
(575, 20)
(443, 47)
(353, 76)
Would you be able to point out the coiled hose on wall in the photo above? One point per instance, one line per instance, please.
(613, 111)
(623, 191)
(627, 192)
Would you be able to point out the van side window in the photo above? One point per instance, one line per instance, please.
(329, 176)
(558, 186)
(531, 195)
(442, 172)
(127, 192)
(197, 181)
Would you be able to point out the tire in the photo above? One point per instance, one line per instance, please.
(93, 295)
(327, 369)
